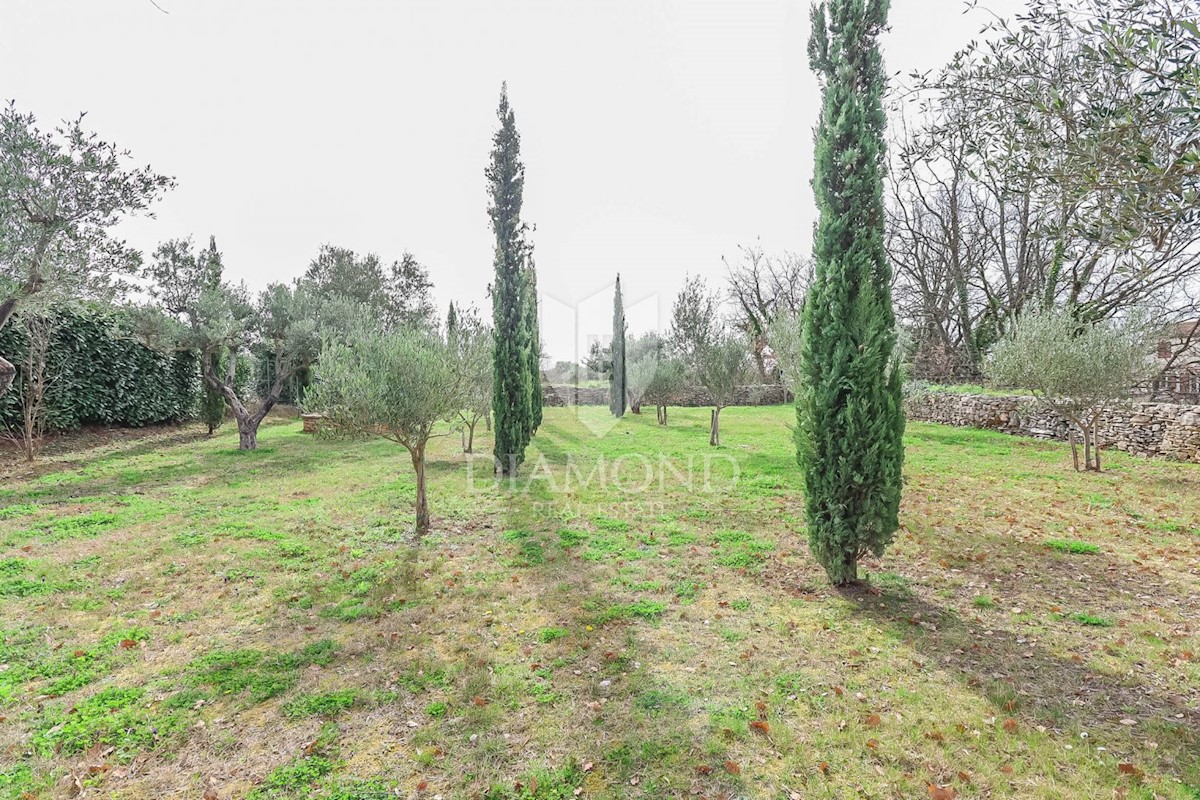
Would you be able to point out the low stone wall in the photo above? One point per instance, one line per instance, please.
(1146, 429)
(750, 395)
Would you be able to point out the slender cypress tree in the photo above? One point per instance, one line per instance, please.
(511, 377)
(849, 414)
(616, 379)
(535, 344)
(452, 326)
(212, 403)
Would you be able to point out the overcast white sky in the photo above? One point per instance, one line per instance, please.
(657, 135)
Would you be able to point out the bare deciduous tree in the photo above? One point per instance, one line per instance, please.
(36, 378)
(762, 287)
(1053, 164)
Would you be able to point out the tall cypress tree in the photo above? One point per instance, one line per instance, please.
(511, 377)
(212, 403)
(535, 344)
(452, 326)
(616, 379)
(850, 420)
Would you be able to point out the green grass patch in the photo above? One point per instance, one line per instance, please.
(547, 635)
(639, 609)
(117, 717)
(258, 675)
(1072, 546)
(327, 704)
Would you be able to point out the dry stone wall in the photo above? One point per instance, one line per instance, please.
(1146, 429)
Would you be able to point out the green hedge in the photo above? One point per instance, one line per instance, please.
(102, 376)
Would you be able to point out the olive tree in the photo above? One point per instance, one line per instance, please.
(669, 379)
(695, 321)
(397, 385)
(220, 320)
(721, 366)
(653, 375)
(1077, 370)
(61, 194)
(784, 336)
(1052, 162)
(470, 345)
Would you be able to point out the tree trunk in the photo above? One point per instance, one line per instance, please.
(1074, 448)
(662, 414)
(418, 460)
(471, 436)
(247, 435)
(714, 434)
(1087, 449)
(843, 571)
(7, 374)
(760, 363)
(487, 421)
(1096, 440)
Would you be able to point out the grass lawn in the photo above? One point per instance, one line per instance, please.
(637, 618)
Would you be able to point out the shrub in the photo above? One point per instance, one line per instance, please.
(108, 379)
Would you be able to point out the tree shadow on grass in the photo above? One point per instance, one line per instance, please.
(1025, 678)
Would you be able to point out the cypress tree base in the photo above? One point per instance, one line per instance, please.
(842, 571)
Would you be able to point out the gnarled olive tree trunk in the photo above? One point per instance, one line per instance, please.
(7, 371)
(247, 421)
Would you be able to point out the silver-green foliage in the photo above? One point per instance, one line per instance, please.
(397, 385)
(471, 344)
(784, 336)
(721, 366)
(1077, 370)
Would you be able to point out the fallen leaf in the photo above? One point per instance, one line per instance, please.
(1131, 771)
(872, 720)
(1010, 725)
(760, 726)
(941, 792)
(732, 768)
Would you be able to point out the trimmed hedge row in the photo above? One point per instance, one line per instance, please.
(101, 376)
